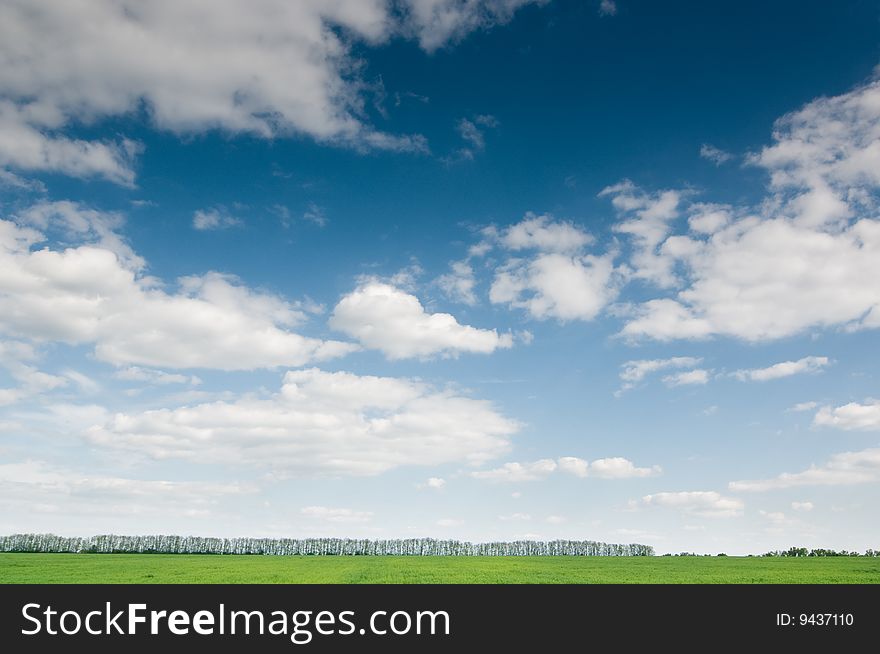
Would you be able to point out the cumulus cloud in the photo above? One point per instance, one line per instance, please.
(435, 483)
(842, 469)
(268, 67)
(558, 279)
(74, 223)
(802, 506)
(610, 468)
(544, 234)
(318, 424)
(850, 417)
(646, 219)
(95, 293)
(709, 504)
(807, 257)
(708, 218)
(556, 286)
(516, 472)
(545, 270)
(383, 317)
(25, 146)
(783, 369)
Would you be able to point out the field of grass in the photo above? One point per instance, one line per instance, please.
(180, 568)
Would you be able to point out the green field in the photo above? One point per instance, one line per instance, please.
(181, 568)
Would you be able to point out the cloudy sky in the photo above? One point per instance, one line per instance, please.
(478, 269)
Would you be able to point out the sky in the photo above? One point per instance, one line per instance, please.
(472, 269)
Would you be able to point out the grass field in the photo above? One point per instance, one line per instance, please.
(179, 568)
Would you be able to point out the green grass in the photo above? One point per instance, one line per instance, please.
(179, 568)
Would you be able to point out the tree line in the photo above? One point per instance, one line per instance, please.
(114, 544)
(803, 551)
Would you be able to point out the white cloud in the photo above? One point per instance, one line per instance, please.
(214, 219)
(841, 469)
(26, 146)
(620, 468)
(646, 220)
(551, 275)
(329, 514)
(556, 286)
(94, 293)
(607, 8)
(574, 466)
(664, 320)
(706, 218)
(11, 180)
(437, 22)
(687, 378)
(610, 468)
(383, 317)
(635, 371)
(850, 417)
(517, 472)
(544, 234)
(708, 504)
(32, 381)
(807, 258)
(783, 369)
(831, 140)
(802, 506)
(160, 377)
(76, 223)
(557, 279)
(716, 155)
(458, 284)
(436, 483)
(270, 68)
(319, 424)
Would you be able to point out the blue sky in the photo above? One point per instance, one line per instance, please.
(490, 269)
